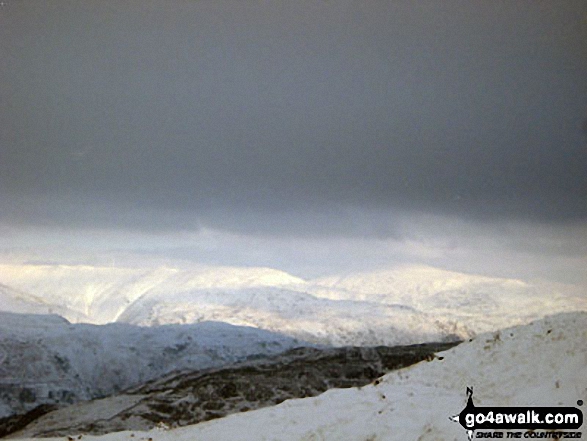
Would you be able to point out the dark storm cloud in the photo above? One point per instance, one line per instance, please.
(168, 114)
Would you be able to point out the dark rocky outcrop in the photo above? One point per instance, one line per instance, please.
(184, 398)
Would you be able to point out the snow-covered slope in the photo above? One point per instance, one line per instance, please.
(541, 364)
(403, 305)
(17, 301)
(100, 294)
(96, 294)
(45, 359)
(297, 314)
(477, 302)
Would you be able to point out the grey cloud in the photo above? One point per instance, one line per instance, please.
(261, 115)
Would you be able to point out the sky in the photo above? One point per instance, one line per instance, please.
(307, 135)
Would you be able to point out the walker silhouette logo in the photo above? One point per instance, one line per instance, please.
(553, 419)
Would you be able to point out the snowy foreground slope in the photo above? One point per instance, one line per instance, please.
(45, 359)
(404, 305)
(544, 364)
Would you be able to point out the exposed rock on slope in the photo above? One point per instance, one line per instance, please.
(191, 397)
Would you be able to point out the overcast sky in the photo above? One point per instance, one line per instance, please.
(322, 120)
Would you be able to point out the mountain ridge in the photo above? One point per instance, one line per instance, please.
(44, 359)
(100, 295)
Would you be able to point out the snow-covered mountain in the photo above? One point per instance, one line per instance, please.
(101, 294)
(45, 359)
(540, 364)
(403, 305)
(259, 297)
(297, 314)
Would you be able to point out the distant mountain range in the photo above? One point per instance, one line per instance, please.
(258, 311)
(403, 305)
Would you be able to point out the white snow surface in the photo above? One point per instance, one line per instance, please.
(540, 364)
